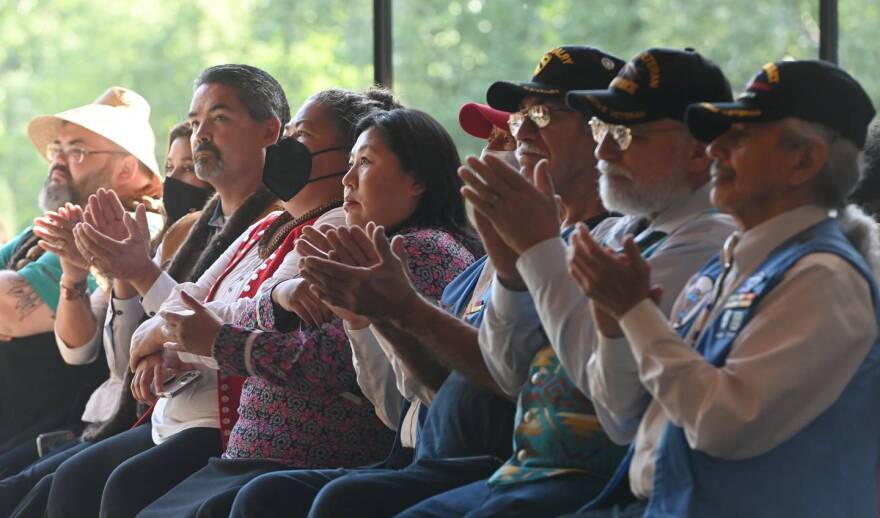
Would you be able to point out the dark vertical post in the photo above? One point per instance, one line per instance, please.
(828, 30)
(382, 66)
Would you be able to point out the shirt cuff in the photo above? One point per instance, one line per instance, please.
(158, 293)
(511, 305)
(364, 343)
(79, 355)
(230, 349)
(542, 261)
(124, 306)
(266, 310)
(642, 325)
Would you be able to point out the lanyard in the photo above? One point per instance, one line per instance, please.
(727, 262)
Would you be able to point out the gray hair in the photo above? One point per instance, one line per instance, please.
(841, 171)
(834, 182)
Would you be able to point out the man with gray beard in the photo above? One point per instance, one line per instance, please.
(652, 171)
(108, 143)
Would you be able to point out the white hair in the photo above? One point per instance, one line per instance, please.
(864, 234)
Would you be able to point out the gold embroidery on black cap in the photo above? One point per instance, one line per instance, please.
(624, 84)
(542, 91)
(560, 53)
(653, 69)
(772, 72)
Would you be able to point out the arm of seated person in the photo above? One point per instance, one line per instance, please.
(431, 342)
(23, 312)
(77, 332)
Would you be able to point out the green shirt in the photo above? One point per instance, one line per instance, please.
(43, 275)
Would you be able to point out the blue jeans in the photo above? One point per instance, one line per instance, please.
(121, 475)
(545, 497)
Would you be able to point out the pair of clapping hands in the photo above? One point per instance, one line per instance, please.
(353, 272)
(101, 235)
(516, 210)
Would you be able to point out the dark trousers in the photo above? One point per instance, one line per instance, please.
(13, 489)
(539, 498)
(209, 492)
(39, 392)
(119, 476)
(631, 510)
(354, 492)
(18, 457)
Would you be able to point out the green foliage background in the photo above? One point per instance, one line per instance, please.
(56, 54)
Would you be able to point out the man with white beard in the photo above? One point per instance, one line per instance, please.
(652, 171)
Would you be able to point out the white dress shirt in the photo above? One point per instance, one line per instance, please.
(386, 381)
(518, 323)
(781, 372)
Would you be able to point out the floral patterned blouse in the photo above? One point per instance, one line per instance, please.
(301, 404)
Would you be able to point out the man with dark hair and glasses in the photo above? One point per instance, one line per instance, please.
(110, 144)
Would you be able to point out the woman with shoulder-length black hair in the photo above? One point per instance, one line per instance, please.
(427, 152)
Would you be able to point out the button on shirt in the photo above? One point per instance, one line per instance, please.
(768, 390)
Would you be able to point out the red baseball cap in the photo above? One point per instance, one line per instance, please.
(477, 119)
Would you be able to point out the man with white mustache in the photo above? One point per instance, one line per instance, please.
(652, 171)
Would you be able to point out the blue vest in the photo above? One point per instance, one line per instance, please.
(825, 470)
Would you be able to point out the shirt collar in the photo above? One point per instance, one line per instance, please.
(217, 219)
(758, 242)
(681, 211)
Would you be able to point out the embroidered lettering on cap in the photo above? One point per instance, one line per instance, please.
(772, 72)
(624, 84)
(560, 53)
(653, 69)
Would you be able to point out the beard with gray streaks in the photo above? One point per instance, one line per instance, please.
(54, 195)
(621, 193)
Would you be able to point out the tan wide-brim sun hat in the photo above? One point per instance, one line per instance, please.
(119, 115)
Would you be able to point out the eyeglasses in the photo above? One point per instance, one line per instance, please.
(622, 135)
(539, 113)
(75, 153)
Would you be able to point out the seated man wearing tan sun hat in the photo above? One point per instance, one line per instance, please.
(110, 144)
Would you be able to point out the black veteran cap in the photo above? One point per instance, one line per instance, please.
(815, 91)
(656, 84)
(560, 70)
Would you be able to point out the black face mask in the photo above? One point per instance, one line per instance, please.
(181, 198)
(289, 167)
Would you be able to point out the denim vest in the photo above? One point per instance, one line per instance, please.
(826, 469)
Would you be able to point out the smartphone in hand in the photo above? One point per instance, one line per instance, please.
(178, 383)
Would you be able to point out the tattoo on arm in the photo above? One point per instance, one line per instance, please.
(26, 299)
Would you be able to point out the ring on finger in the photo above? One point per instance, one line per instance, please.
(493, 200)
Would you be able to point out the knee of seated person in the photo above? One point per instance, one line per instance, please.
(69, 482)
(265, 493)
(116, 499)
(351, 491)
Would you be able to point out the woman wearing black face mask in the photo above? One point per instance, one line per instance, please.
(183, 192)
(309, 411)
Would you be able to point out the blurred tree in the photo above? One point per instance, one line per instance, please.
(56, 54)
